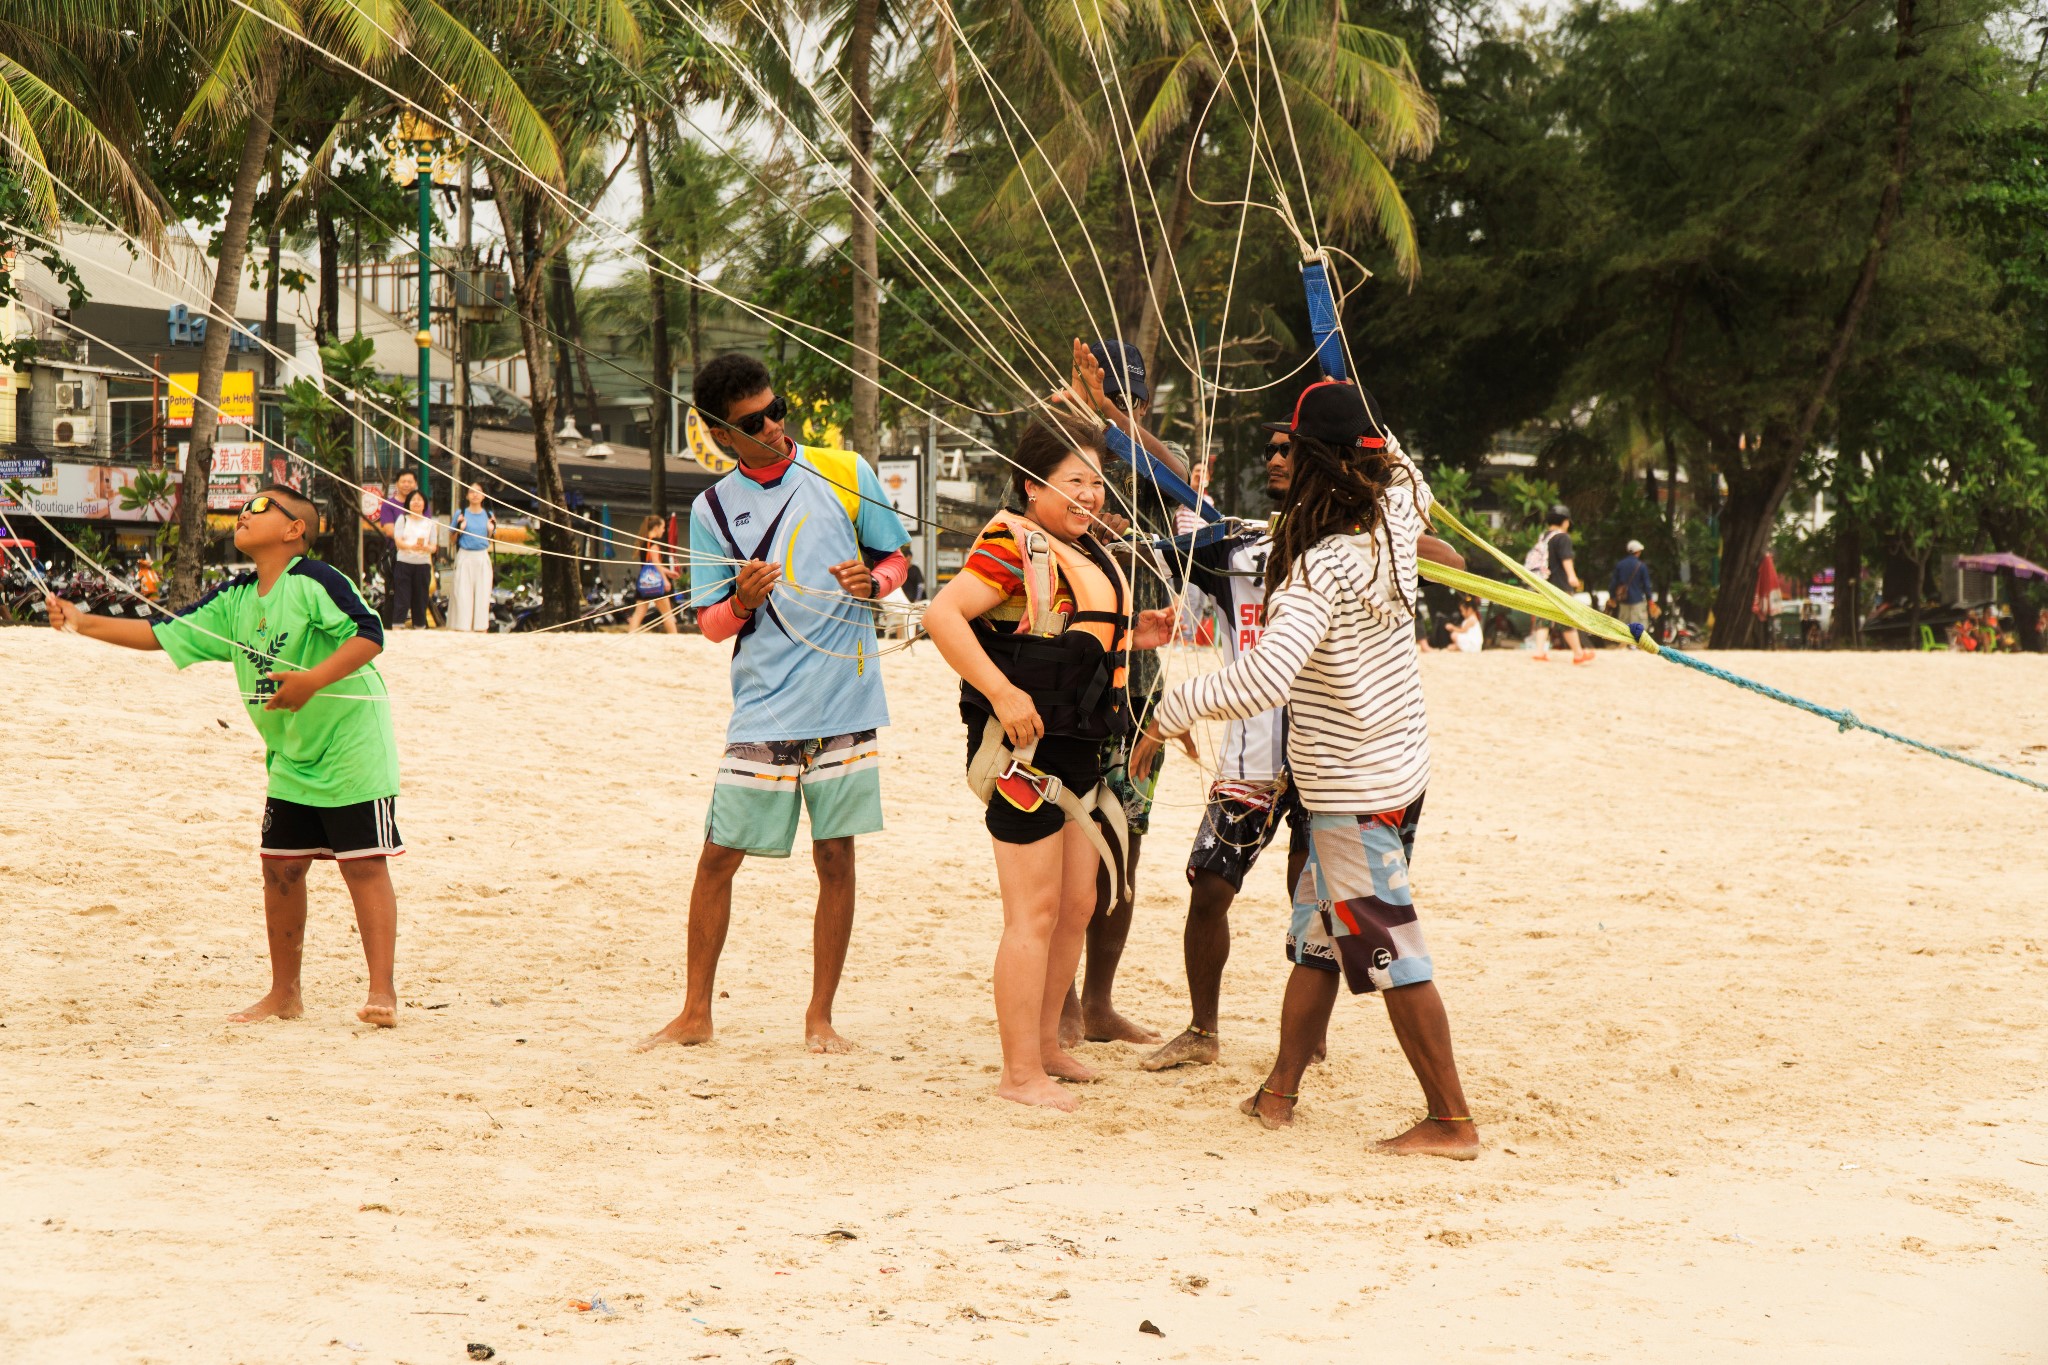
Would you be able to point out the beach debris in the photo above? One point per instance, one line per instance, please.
(1150, 1329)
(1191, 1284)
(839, 1235)
(593, 1305)
(970, 1313)
(479, 1351)
(373, 1208)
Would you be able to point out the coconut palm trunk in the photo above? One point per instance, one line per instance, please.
(867, 310)
(560, 593)
(657, 350)
(186, 585)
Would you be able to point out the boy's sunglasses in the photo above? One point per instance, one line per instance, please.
(751, 424)
(263, 502)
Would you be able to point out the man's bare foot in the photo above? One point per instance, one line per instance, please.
(1271, 1110)
(1433, 1137)
(1189, 1049)
(1064, 1067)
(1070, 1021)
(276, 1005)
(381, 1009)
(820, 1036)
(681, 1030)
(1105, 1025)
(1044, 1092)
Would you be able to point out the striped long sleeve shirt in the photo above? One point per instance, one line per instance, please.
(1339, 651)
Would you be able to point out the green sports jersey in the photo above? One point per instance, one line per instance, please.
(336, 750)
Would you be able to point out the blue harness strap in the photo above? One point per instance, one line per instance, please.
(1122, 447)
(1322, 319)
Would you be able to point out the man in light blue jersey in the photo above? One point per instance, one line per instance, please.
(786, 553)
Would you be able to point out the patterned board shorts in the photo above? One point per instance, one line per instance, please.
(764, 785)
(1352, 908)
(1235, 832)
(1136, 796)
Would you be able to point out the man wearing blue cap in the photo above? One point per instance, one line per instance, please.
(1124, 399)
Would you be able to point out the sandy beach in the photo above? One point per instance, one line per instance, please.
(1749, 1011)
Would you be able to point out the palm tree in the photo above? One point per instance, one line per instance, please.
(245, 58)
(66, 99)
(571, 58)
(1342, 97)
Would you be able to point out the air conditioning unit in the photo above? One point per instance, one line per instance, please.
(75, 395)
(71, 431)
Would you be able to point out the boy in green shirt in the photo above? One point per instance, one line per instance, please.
(301, 640)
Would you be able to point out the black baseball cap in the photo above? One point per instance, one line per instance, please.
(1123, 369)
(1335, 412)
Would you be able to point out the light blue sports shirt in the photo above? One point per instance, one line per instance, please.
(805, 666)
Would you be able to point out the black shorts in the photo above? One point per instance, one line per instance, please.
(1077, 763)
(1234, 834)
(368, 829)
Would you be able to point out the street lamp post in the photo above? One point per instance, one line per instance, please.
(412, 159)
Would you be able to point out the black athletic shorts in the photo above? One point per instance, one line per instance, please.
(368, 829)
(1075, 762)
(1234, 834)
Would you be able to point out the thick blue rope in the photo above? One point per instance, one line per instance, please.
(1844, 720)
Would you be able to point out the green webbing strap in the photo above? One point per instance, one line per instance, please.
(1544, 599)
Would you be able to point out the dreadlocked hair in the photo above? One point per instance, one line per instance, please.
(1334, 491)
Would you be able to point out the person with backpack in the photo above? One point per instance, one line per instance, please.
(789, 552)
(1634, 603)
(1551, 557)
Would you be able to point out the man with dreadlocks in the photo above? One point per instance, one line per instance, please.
(1339, 650)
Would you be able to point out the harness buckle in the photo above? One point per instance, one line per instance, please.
(1026, 788)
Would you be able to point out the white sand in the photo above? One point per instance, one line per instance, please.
(1751, 1013)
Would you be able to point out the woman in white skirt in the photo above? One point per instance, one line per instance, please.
(469, 603)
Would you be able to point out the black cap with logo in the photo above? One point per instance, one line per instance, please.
(1336, 412)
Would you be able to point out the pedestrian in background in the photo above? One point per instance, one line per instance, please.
(469, 601)
(414, 536)
(1630, 588)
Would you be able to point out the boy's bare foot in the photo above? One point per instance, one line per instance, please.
(1271, 1110)
(381, 1009)
(820, 1036)
(276, 1005)
(1067, 1068)
(1107, 1026)
(1432, 1137)
(1189, 1049)
(681, 1030)
(1044, 1092)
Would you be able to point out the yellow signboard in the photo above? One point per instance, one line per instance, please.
(237, 397)
(714, 457)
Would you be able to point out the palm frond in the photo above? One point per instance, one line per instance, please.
(40, 121)
(1357, 187)
(466, 73)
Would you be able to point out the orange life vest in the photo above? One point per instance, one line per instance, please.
(1072, 664)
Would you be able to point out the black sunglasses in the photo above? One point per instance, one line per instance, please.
(1275, 449)
(753, 422)
(263, 502)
